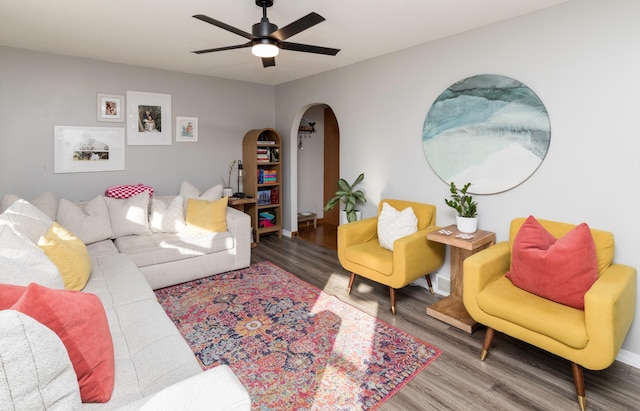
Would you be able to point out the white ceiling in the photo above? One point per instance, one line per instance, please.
(161, 33)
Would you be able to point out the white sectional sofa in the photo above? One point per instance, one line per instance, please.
(154, 368)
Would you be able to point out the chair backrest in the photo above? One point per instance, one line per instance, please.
(604, 241)
(426, 213)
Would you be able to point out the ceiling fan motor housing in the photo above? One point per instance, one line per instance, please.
(264, 28)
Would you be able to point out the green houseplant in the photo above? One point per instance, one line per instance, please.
(349, 196)
(466, 207)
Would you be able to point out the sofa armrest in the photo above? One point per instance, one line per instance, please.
(609, 308)
(415, 256)
(481, 269)
(214, 389)
(239, 225)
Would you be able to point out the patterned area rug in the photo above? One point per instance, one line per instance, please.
(293, 346)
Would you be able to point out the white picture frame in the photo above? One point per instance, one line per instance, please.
(149, 119)
(88, 149)
(187, 129)
(110, 107)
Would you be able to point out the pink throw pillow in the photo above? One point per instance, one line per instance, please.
(9, 294)
(80, 322)
(561, 269)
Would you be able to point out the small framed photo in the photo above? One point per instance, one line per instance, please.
(187, 129)
(110, 107)
(149, 119)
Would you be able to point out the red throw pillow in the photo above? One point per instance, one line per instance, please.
(9, 294)
(561, 269)
(81, 323)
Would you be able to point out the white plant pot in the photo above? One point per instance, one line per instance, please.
(343, 216)
(467, 225)
(227, 192)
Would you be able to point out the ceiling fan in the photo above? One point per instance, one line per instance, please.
(266, 39)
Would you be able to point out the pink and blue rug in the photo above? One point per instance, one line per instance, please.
(293, 346)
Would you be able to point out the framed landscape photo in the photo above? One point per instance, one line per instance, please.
(87, 149)
(148, 119)
(187, 129)
(110, 107)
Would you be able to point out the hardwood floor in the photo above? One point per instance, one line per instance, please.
(515, 375)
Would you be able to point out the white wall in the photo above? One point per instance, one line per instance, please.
(39, 91)
(580, 58)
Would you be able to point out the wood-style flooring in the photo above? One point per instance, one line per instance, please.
(515, 375)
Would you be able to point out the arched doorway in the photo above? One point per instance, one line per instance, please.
(318, 170)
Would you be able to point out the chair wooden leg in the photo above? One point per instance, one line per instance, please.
(353, 277)
(488, 338)
(578, 379)
(428, 277)
(392, 294)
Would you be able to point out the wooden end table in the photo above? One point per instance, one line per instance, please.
(308, 218)
(451, 309)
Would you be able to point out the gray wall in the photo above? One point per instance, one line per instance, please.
(39, 91)
(580, 58)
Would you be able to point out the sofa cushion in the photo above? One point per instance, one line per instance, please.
(159, 248)
(69, 254)
(560, 322)
(167, 216)
(46, 202)
(129, 216)
(26, 220)
(394, 224)
(203, 216)
(80, 321)
(188, 190)
(22, 262)
(87, 220)
(561, 269)
(35, 370)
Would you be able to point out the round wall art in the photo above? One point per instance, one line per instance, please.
(489, 130)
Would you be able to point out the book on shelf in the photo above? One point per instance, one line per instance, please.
(266, 142)
(267, 176)
(264, 197)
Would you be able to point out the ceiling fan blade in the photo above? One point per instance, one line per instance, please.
(268, 62)
(222, 25)
(297, 26)
(239, 46)
(306, 48)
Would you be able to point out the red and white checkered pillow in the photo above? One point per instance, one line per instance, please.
(126, 191)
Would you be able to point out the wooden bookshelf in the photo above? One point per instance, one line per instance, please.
(261, 157)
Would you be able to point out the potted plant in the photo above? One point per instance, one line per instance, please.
(227, 190)
(467, 217)
(347, 195)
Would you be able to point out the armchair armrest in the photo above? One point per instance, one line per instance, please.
(357, 232)
(609, 308)
(482, 269)
(414, 256)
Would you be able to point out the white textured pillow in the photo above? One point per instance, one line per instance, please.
(167, 216)
(46, 202)
(22, 262)
(394, 224)
(35, 369)
(89, 221)
(26, 220)
(187, 191)
(129, 216)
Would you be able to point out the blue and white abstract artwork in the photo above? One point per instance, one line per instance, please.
(489, 130)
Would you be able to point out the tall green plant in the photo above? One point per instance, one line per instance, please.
(347, 195)
(461, 202)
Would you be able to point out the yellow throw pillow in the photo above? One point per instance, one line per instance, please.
(205, 215)
(69, 254)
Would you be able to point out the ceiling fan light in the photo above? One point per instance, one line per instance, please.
(265, 50)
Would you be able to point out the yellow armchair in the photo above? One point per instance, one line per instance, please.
(413, 256)
(589, 338)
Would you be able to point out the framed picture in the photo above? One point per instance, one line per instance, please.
(148, 119)
(110, 107)
(87, 149)
(187, 129)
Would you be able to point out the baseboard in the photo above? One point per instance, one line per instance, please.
(629, 358)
